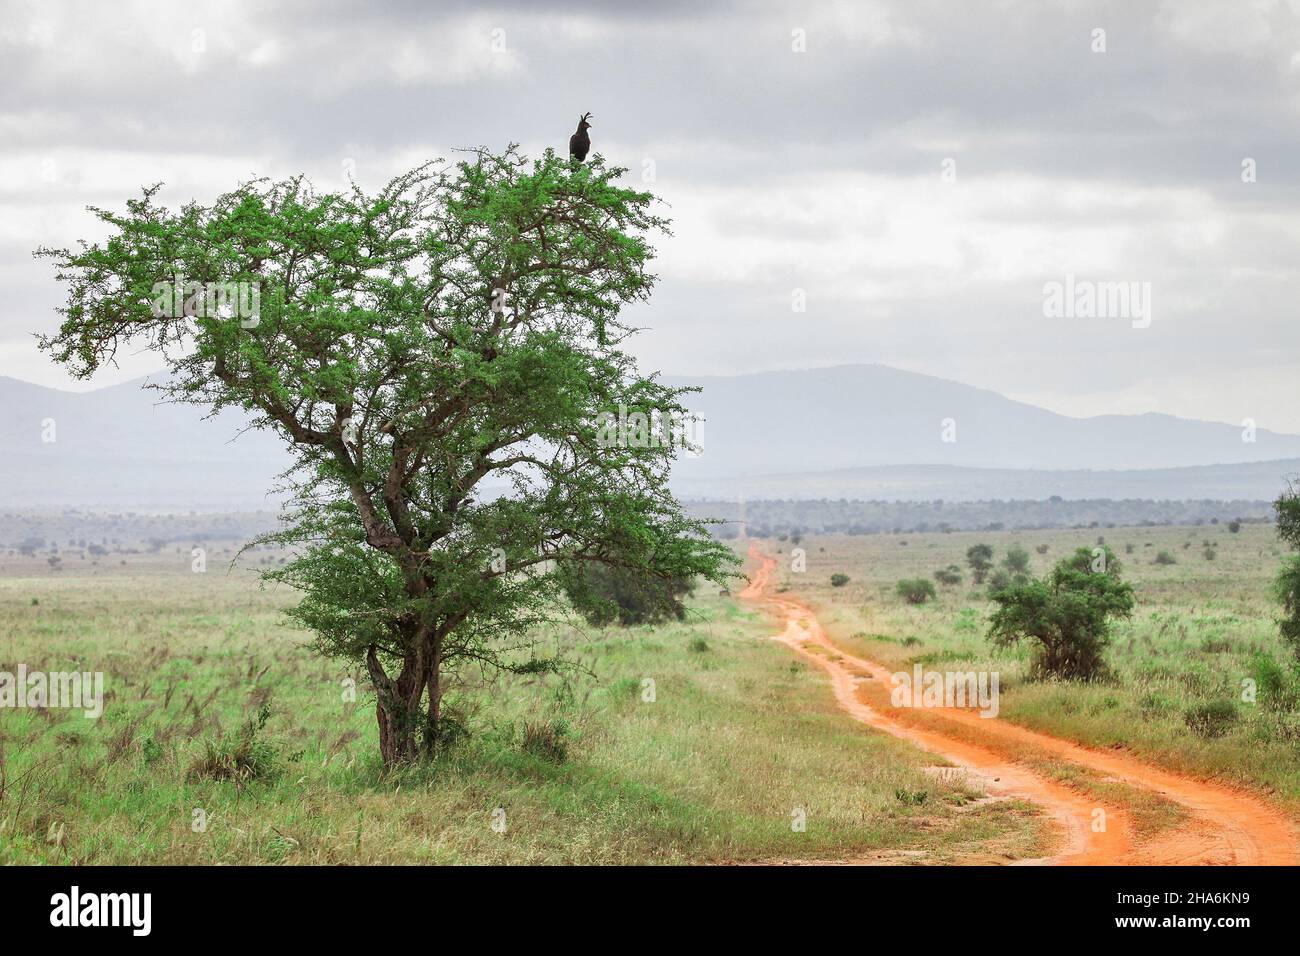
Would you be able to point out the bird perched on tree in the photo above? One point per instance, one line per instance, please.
(580, 142)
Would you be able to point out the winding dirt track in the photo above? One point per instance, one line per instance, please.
(1223, 826)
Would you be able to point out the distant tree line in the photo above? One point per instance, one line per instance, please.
(769, 519)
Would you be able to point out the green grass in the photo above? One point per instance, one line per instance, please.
(1201, 628)
(216, 705)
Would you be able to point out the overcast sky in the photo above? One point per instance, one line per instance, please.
(800, 146)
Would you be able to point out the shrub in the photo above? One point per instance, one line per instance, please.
(1041, 549)
(1287, 585)
(698, 645)
(247, 757)
(151, 749)
(547, 739)
(1234, 525)
(980, 559)
(1164, 557)
(1016, 560)
(839, 580)
(1068, 613)
(949, 575)
(1211, 720)
(915, 590)
(1271, 683)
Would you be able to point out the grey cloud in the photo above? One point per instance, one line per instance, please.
(715, 96)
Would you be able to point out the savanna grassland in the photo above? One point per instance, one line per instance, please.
(216, 704)
(1180, 670)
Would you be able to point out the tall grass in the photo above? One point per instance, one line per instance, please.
(226, 740)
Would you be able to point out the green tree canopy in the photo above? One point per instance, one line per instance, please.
(915, 590)
(1068, 613)
(604, 594)
(980, 559)
(1287, 584)
(1016, 560)
(949, 575)
(441, 358)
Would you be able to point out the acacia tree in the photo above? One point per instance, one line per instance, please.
(1068, 613)
(980, 559)
(1016, 560)
(440, 358)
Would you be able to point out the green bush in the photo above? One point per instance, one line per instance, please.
(1287, 587)
(1272, 684)
(1164, 557)
(915, 590)
(949, 575)
(839, 580)
(1016, 560)
(547, 739)
(1068, 613)
(247, 757)
(980, 559)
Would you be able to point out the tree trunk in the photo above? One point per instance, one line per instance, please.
(397, 707)
(434, 713)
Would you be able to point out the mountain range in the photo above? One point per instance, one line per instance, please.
(865, 431)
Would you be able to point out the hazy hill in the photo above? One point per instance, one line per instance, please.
(852, 431)
(120, 448)
(853, 416)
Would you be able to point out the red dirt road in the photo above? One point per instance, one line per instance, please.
(1223, 826)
